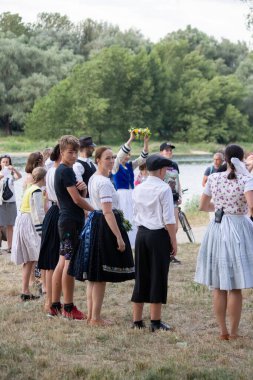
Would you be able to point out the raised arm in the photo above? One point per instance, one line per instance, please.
(143, 156)
(15, 173)
(124, 151)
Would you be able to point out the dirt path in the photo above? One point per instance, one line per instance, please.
(198, 233)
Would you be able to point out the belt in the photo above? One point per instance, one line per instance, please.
(148, 229)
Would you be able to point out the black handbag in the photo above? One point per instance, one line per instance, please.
(7, 193)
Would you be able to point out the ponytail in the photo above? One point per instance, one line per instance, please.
(232, 174)
(233, 151)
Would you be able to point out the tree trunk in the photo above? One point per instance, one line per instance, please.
(7, 125)
(100, 137)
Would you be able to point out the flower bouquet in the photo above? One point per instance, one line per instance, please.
(140, 132)
(127, 225)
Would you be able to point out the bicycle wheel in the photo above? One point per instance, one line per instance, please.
(186, 226)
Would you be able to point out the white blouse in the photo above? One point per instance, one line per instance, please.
(101, 190)
(11, 180)
(50, 184)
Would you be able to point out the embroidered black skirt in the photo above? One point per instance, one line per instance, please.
(98, 258)
(50, 243)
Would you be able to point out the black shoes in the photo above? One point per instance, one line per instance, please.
(160, 326)
(153, 326)
(29, 297)
(138, 325)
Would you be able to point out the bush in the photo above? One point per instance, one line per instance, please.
(192, 205)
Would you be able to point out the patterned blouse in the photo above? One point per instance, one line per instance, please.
(228, 193)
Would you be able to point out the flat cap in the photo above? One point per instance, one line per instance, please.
(166, 145)
(156, 162)
(86, 141)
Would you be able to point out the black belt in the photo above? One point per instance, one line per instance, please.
(148, 229)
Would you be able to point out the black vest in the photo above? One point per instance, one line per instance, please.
(88, 171)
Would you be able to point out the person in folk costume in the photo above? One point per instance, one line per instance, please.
(105, 253)
(123, 178)
(155, 243)
(225, 259)
(84, 167)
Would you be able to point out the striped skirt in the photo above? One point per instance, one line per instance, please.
(225, 259)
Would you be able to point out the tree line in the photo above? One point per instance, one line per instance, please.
(57, 77)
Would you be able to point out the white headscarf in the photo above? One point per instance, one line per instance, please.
(239, 166)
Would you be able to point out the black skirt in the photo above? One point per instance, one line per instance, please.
(50, 242)
(101, 260)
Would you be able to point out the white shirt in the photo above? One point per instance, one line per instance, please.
(48, 164)
(7, 174)
(50, 185)
(101, 190)
(153, 204)
(79, 169)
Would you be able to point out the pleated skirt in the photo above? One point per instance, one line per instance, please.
(26, 241)
(50, 241)
(98, 258)
(225, 259)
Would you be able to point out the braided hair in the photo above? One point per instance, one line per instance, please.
(236, 151)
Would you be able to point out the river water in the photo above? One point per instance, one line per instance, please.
(191, 173)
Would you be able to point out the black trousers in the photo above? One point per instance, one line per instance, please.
(152, 260)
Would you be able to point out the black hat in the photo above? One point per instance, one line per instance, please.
(166, 145)
(86, 142)
(156, 162)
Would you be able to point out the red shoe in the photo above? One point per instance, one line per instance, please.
(74, 314)
(54, 312)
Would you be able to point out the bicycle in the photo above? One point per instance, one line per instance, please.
(185, 223)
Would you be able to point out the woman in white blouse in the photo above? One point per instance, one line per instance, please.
(105, 248)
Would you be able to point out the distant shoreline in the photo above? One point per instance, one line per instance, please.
(191, 153)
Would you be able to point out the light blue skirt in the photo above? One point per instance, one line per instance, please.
(225, 259)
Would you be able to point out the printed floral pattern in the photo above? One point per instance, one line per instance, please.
(228, 193)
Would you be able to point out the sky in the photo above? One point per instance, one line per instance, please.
(154, 18)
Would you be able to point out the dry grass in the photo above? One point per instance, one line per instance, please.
(198, 218)
(35, 347)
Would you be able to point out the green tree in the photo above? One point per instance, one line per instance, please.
(26, 73)
(12, 23)
(104, 96)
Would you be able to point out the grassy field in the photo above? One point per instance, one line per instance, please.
(20, 144)
(36, 347)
